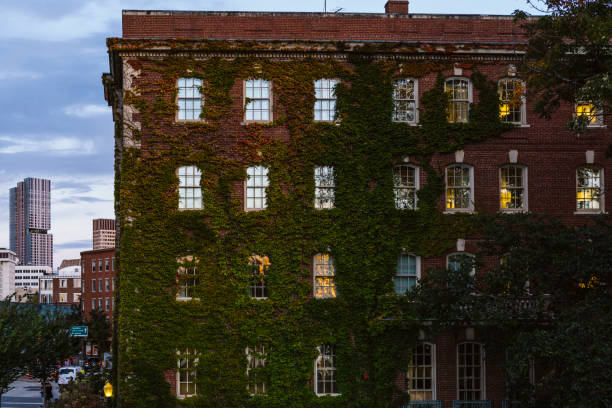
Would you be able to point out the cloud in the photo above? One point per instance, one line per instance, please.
(83, 199)
(87, 110)
(83, 243)
(9, 75)
(53, 145)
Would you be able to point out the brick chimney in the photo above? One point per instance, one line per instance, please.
(396, 6)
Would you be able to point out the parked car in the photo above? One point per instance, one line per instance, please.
(68, 375)
(92, 364)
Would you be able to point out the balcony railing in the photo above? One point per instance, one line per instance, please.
(423, 404)
(472, 404)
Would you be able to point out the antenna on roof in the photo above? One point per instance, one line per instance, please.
(325, 6)
(339, 9)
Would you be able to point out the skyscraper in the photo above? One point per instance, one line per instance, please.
(30, 220)
(103, 233)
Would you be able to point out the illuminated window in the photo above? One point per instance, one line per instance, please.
(459, 93)
(256, 359)
(63, 297)
(404, 100)
(512, 191)
(186, 373)
(407, 273)
(76, 297)
(324, 187)
(591, 113)
(76, 283)
(458, 260)
(421, 375)
(512, 101)
(589, 195)
(187, 277)
(405, 186)
(325, 100)
(324, 273)
(459, 188)
(256, 185)
(258, 100)
(470, 372)
(325, 371)
(190, 192)
(189, 98)
(259, 269)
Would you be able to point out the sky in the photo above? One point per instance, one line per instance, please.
(54, 121)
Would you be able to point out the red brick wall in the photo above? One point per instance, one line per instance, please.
(88, 275)
(70, 290)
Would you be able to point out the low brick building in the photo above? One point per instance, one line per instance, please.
(98, 281)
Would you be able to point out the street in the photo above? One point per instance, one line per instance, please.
(25, 394)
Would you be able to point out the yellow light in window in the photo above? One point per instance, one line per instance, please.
(588, 110)
(504, 110)
(590, 284)
(584, 195)
(506, 197)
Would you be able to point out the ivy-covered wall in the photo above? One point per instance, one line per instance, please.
(371, 328)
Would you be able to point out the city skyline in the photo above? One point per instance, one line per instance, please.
(56, 124)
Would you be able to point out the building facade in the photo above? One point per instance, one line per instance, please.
(28, 277)
(8, 260)
(30, 221)
(284, 179)
(98, 281)
(103, 233)
(66, 285)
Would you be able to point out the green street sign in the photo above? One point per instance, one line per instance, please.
(78, 331)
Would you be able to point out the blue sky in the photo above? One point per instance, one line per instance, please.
(54, 122)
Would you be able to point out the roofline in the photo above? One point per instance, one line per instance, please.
(95, 251)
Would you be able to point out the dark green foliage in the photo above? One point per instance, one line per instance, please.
(99, 330)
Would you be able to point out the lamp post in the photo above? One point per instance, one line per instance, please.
(108, 390)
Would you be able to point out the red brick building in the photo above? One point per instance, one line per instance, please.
(98, 281)
(67, 284)
(538, 166)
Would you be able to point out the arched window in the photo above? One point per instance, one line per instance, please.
(324, 276)
(470, 371)
(190, 192)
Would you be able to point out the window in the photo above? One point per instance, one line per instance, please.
(256, 359)
(470, 372)
(407, 273)
(186, 373)
(458, 260)
(405, 186)
(189, 98)
(63, 283)
(100, 303)
(324, 187)
(325, 371)
(190, 192)
(63, 297)
(99, 265)
(76, 297)
(100, 287)
(106, 284)
(113, 264)
(324, 272)
(588, 189)
(325, 100)
(106, 265)
(76, 283)
(256, 185)
(106, 304)
(258, 100)
(459, 93)
(187, 277)
(421, 375)
(404, 100)
(93, 285)
(593, 115)
(459, 188)
(511, 101)
(93, 265)
(93, 304)
(259, 266)
(512, 192)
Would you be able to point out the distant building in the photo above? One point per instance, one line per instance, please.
(28, 276)
(30, 221)
(66, 285)
(8, 259)
(98, 281)
(45, 291)
(103, 233)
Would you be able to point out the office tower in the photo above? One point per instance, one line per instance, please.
(30, 220)
(103, 233)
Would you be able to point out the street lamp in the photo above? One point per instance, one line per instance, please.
(108, 390)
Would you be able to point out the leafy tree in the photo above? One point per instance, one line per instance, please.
(543, 291)
(99, 330)
(18, 331)
(568, 53)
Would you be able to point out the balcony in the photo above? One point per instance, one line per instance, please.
(472, 404)
(423, 404)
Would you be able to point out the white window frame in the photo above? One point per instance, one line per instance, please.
(601, 188)
(254, 104)
(331, 369)
(483, 387)
(63, 298)
(189, 93)
(522, 109)
(189, 187)
(325, 187)
(597, 118)
(524, 185)
(76, 297)
(397, 276)
(183, 270)
(326, 272)
(193, 372)
(468, 101)
(260, 182)
(399, 187)
(415, 367)
(325, 100)
(63, 283)
(256, 358)
(259, 282)
(414, 100)
(470, 188)
(463, 254)
(76, 283)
